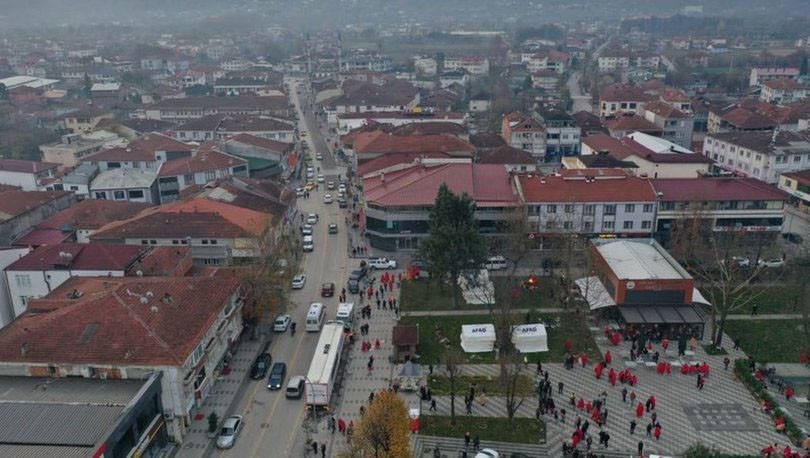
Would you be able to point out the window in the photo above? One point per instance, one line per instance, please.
(569, 208)
(205, 241)
(759, 157)
(119, 195)
(549, 225)
(629, 208)
(144, 242)
(628, 224)
(648, 208)
(551, 208)
(756, 171)
(137, 194)
(589, 209)
(188, 179)
(797, 158)
(646, 224)
(24, 300)
(567, 225)
(101, 195)
(610, 209)
(588, 226)
(153, 242)
(213, 242)
(23, 281)
(608, 225)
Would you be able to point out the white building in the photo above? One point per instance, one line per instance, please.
(425, 66)
(760, 75)
(8, 255)
(782, 91)
(26, 175)
(133, 185)
(762, 155)
(474, 65)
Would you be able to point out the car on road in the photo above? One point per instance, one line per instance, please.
(740, 261)
(354, 280)
(298, 281)
(309, 186)
(333, 228)
(276, 379)
(302, 134)
(342, 187)
(299, 192)
(231, 428)
(328, 289)
(319, 156)
(309, 244)
(312, 218)
(772, 263)
(295, 387)
(382, 263)
(327, 198)
(487, 453)
(259, 368)
(342, 202)
(282, 323)
(306, 229)
(792, 237)
(330, 185)
(321, 178)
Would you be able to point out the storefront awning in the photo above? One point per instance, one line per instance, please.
(594, 292)
(660, 314)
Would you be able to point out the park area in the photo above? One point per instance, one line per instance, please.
(521, 430)
(771, 341)
(426, 295)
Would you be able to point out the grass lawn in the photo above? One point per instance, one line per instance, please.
(431, 328)
(440, 384)
(420, 295)
(771, 341)
(777, 299)
(522, 430)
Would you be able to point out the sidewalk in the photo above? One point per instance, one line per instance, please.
(480, 311)
(765, 316)
(220, 400)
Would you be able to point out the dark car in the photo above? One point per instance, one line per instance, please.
(328, 290)
(354, 279)
(793, 238)
(260, 366)
(276, 379)
(342, 202)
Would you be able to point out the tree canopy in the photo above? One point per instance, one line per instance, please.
(384, 430)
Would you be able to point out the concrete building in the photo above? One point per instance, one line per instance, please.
(70, 149)
(526, 133)
(621, 97)
(26, 175)
(676, 125)
(180, 109)
(147, 152)
(8, 255)
(474, 65)
(204, 167)
(760, 75)
(219, 126)
(80, 221)
(425, 66)
(83, 120)
(762, 155)
(349, 121)
(797, 184)
(77, 180)
(133, 185)
(783, 91)
(562, 134)
(22, 210)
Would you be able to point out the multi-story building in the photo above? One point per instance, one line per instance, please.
(562, 134)
(197, 107)
(219, 126)
(204, 167)
(761, 155)
(783, 91)
(474, 65)
(724, 204)
(797, 184)
(609, 61)
(760, 75)
(524, 132)
(548, 59)
(70, 149)
(589, 202)
(621, 97)
(80, 221)
(132, 185)
(736, 118)
(26, 175)
(22, 210)
(676, 125)
(425, 66)
(145, 152)
(363, 97)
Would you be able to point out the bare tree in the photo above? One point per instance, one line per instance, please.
(452, 365)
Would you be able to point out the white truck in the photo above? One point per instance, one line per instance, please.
(323, 371)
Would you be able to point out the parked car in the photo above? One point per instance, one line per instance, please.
(342, 202)
(354, 280)
(259, 368)
(382, 263)
(333, 228)
(793, 238)
(487, 453)
(306, 229)
(327, 198)
(330, 185)
(741, 261)
(328, 290)
(342, 187)
(772, 263)
(281, 323)
(309, 244)
(231, 428)
(319, 156)
(298, 281)
(312, 218)
(321, 178)
(300, 191)
(309, 186)
(276, 379)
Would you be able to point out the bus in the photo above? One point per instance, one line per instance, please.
(323, 370)
(345, 314)
(315, 316)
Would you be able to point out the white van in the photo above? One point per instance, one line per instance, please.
(315, 317)
(345, 314)
(495, 263)
(295, 387)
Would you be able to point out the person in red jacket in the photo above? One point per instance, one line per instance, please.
(640, 410)
(657, 431)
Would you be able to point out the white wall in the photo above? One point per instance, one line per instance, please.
(7, 257)
(33, 284)
(26, 181)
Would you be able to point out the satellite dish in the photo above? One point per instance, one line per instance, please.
(139, 273)
(144, 300)
(150, 294)
(154, 309)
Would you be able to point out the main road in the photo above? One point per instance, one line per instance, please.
(273, 424)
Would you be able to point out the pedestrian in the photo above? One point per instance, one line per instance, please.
(342, 426)
(633, 426)
(469, 407)
(589, 441)
(315, 447)
(560, 386)
(649, 429)
(701, 383)
(726, 362)
(323, 450)
(378, 302)
(657, 432)
(362, 411)
(476, 443)
(429, 394)
(754, 309)
(607, 438)
(632, 397)
(430, 369)
(624, 394)
(432, 405)
(371, 397)
(539, 368)
(640, 448)
(466, 439)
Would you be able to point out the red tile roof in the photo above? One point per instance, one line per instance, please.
(622, 93)
(803, 176)
(92, 214)
(388, 160)
(709, 189)
(488, 184)
(23, 166)
(664, 110)
(164, 261)
(572, 189)
(142, 148)
(80, 256)
(381, 142)
(625, 147)
(784, 83)
(116, 322)
(38, 237)
(745, 119)
(505, 155)
(14, 203)
(626, 122)
(261, 142)
(203, 161)
(674, 95)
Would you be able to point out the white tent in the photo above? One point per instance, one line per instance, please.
(477, 338)
(594, 292)
(480, 291)
(530, 338)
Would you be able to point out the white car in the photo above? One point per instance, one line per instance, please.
(487, 453)
(330, 185)
(382, 263)
(319, 156)
(299, 192)
(772, 263)
(312, 218)
(306, 229)
(327, 198)
(741, 261)
(282, 323)
(321, 178)
(342, 187)
(309, 244)
(298, 281)
(231, 428)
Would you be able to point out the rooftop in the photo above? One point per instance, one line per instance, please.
(14, 203)
(143, 148)
(382, 142)
(91, 214)
(627, 121)
(79, 256)
(201, 162)
(715, 189)
(260, 142)
(23, 166)
(640, 259)
(622, 93)
(239, 103)
(505, 155)
(767, 142)
(600, 185)
(124, 179)
(226, 122)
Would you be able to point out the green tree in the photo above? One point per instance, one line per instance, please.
(454, 248)
(87, 86)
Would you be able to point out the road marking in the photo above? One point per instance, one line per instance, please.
(295, 433)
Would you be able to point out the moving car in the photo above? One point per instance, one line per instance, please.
(295, 387)
(342, 187)
(495, 263)
(312, 218)
(487, 453)
(328, 290)
(299, 192)
(741, 261)
(231, 428)
(281, 323)
(276, 379)
(354, 280)
(327, 198)
(319, 156)
(259, 368)
(793, 238)
(772, 263)
(333, 228)
(321, 178)
(309, 186)
(330, 185)
(382, 263)
(306, 229)
(298, 281)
